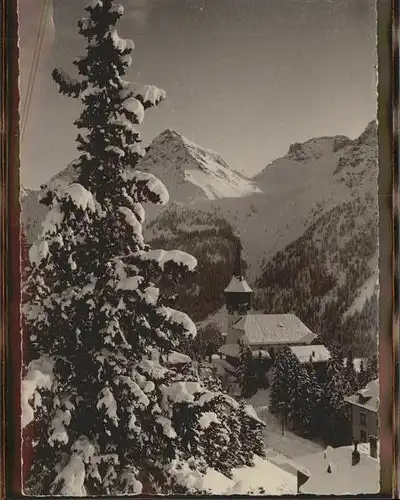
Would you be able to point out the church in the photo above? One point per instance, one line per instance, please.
(263, 333)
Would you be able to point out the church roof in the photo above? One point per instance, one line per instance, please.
(273, 329)
(238, 285)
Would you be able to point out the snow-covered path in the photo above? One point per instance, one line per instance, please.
(288, 444)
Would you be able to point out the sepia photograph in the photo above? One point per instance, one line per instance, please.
(199, 247)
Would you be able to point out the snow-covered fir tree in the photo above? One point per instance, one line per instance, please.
(103, 410)
(372, 368)
(312, 401)
(350, 374)
(285, 375)
(245, 373)
(336, 428)
(305, 409)
(251, 433)
(296, 406)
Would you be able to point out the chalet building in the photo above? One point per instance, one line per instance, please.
(263, 333)
(363, 408)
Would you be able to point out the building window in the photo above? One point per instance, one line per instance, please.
(363, 436)
(363, 419)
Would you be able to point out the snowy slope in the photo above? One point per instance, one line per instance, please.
(303, 165)
(192, 173)
(366, 292)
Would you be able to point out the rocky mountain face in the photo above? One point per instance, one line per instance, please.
(308, 224)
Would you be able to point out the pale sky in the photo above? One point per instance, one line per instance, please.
(245, 78)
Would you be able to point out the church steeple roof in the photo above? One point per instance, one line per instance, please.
(237, 270)
(238, 284)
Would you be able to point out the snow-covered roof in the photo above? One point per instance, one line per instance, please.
(370, 393)
(318, 353)
(245, 480)
(272, 329)
(286, 463)
(232, 350)
(343, 478)
(238, 285)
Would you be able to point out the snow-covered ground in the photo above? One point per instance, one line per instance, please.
(288, 444)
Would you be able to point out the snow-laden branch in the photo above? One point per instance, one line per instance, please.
(38, 252)
(122, 45)
(163, 257)
(148, 95)
(179, 318)
(133, 107)
(67, 85)
(107, 401)
(78, 195)
(39, 376)
(147, 187)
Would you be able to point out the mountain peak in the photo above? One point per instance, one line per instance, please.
(370, 134)
(317, 147)
(191, 172)
(171, 133)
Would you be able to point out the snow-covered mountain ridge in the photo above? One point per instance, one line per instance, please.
(294, 194)
(192, 173)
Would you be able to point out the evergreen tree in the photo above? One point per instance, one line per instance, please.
(245, 373)
(284, 382)
(296, 407)
(350, 374)
(336, 423)
(362, 376)
(251, 433)
(311, 398)
(372, 368)
(110, 415)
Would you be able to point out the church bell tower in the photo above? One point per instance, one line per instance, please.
(238, 295)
